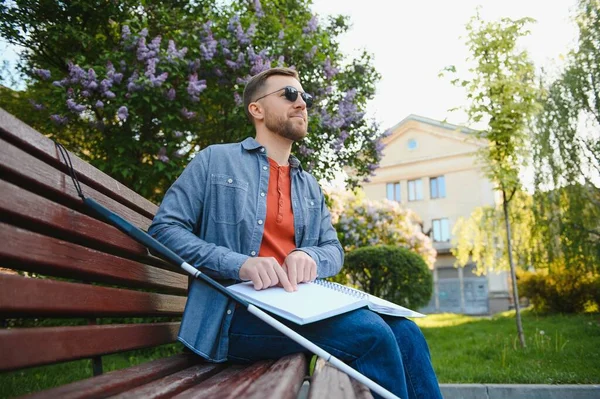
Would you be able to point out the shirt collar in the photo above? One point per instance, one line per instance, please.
(250, 144)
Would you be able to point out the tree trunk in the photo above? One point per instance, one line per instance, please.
(513, 275)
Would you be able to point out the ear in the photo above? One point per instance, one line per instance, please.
(256, 110)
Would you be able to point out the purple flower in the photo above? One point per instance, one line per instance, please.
(195, 87)
(281, 35)
(280, 61)
(42, 73)
(144, 32)
(35, 105)
(99, 104)
(162, 155)
(76, 74)
(142, 50)
(122, 113)
(171, 94)
(125, 32)
(312, 25)
(233, 23)
(329, 70)
(237, 98)
(311, 54)
(187, 114)
(173, 53)
(105, 85)
(208, 49)
(109, 94)
(258, 9)
(73, 106)
(178, 134)
(155, 44)
(85, 93)
(58, 119)
(159, 80)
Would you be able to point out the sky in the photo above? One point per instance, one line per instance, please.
(412, 41)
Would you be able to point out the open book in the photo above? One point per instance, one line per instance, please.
(316, 301)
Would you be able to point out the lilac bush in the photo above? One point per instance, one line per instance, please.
(360, 222)
(172, 84)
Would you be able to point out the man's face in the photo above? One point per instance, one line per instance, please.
(283, 117)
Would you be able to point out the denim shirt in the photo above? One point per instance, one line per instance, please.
(213, 217)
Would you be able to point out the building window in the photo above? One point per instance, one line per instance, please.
(437, 187)
(415, 190)
(393, 191)
(441, 230)
(412, 144)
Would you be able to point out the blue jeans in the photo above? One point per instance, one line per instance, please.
(389, 350)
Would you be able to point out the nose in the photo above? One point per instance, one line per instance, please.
(300, 103)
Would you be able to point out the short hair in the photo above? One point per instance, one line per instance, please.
(256, 83)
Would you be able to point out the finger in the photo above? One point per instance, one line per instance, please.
(266, 280)
(301, 271)
(256, 280)
(273, 274)
(292, 272)
(313, 272)
(283, 279)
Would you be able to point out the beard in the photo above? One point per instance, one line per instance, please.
(287, 128)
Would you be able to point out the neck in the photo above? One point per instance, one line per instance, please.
(278, 148)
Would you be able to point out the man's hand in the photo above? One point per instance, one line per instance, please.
(265, 273)
(300, 268)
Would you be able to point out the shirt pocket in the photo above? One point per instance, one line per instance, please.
(228, 198)
(313, 219)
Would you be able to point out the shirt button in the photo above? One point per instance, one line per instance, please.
(262, 149)
(262, 194)
(312, 202)
(265, 167)
(230, 181)
(260, 221)
(253, 253)
(228, 311)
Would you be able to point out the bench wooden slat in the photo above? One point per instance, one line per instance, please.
(228, 384)
(118, 381)
(28, 251)
(282, 380)
(25, 207)
(174, 383)
(20, 133)
(26, 347)
(329, 382)
(28, 297)
(21, 166)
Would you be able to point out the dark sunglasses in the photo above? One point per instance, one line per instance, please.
(291, 94)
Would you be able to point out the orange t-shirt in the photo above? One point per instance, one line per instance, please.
(278, 239)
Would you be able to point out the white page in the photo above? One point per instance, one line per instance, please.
(310, 301)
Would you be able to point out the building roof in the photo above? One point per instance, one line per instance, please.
(433, 122)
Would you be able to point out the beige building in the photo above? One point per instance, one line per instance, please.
(430, 167)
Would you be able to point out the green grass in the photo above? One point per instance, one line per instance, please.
(464, 350)
(561, 349)
(21, 382)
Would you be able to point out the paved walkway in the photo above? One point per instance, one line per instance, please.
(519, 391)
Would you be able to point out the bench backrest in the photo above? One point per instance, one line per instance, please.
(57, 261)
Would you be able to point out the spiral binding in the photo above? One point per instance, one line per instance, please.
(342, 288)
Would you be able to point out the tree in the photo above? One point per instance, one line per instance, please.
(364, 223)
(502, 95)
(138, 88)
(482, 236)
(566, 153)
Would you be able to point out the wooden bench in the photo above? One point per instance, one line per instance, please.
(57, 261)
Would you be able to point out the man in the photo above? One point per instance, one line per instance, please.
(248, 211)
